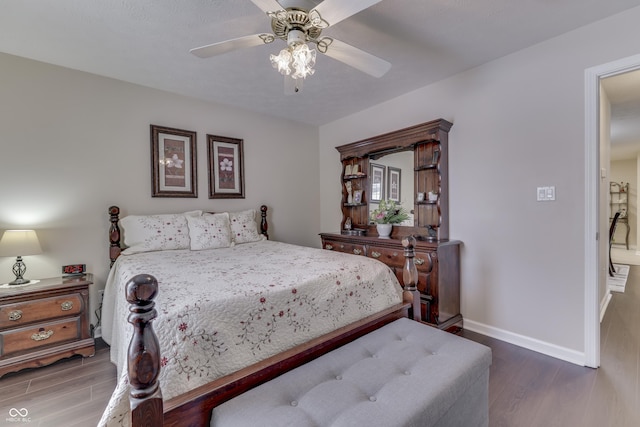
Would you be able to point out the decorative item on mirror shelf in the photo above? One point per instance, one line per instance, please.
(433, 197)
(357, 196)
(349, 192)
(420, 197)
(436, 157)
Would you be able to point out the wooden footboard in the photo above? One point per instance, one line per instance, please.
(194, 407)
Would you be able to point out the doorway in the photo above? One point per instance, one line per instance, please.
(595, 260)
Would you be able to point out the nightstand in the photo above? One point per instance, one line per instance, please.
(43, 322)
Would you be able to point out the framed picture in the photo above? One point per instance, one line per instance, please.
(226, 167)
(393, 185)
(377, 182)
(173, 162)
(357, 196)
(436, 156)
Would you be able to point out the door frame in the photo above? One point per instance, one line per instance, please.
(593, 76)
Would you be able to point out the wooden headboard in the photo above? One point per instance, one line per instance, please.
(115, 247)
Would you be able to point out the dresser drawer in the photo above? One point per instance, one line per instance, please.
(39, 335)
(424, 261)
(348, 248)
(22, 313)
(390, 256)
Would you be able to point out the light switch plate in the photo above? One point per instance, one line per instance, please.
(546, 194)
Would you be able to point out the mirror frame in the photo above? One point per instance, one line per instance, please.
(397, 141)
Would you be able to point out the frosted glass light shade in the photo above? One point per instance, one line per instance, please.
(19, 243)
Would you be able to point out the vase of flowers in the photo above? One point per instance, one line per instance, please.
(387, 214)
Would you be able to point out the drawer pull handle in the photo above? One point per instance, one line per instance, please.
(42, 335)
(418, 261)
(15, 315)
(66, 306)
(375, 254)
(328, 247)
(357, 251)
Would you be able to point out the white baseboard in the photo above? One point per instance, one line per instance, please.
(604, 304)
(562, 353)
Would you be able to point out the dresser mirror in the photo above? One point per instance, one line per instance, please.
(408, 162)
(398, 182)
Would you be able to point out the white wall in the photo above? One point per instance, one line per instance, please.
(518, 124)
(74, 144)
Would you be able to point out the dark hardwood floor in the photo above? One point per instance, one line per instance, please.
(527, 389)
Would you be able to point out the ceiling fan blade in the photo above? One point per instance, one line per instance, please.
(356, 58)
(268, 5)
(233, 44)
(334, 11)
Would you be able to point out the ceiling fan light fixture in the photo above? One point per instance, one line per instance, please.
(296, 59)
(281, 62)
(303, 60)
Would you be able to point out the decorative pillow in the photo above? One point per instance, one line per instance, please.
(244, 228)
(146, 233)
(210, 231)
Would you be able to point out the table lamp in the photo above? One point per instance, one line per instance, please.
(19, 243)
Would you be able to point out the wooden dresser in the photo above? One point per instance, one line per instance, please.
(427, 198)
(438, 264)
(43, 322)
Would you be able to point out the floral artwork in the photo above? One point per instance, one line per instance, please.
(225, 167)
(173, 155)
(377, 182)
(225, 173)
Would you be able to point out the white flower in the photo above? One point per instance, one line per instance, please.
(226, 165)
(174, 162)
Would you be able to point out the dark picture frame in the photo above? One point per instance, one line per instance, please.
(226, 167)
(173, 162)
(436, 157)
(394, 177)
(377, 176)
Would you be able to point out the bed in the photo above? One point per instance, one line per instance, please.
(234, 309)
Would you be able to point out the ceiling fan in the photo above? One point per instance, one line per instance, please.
(298, 26)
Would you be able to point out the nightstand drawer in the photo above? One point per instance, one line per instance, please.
(22, 313)
(40, 335)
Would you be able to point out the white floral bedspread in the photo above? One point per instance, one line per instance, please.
(221, 310)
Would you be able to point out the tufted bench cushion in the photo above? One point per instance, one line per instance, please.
(403, 374)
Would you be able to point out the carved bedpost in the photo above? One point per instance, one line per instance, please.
(144, 353)
(410, 276)
(264, 227)
(114, 234)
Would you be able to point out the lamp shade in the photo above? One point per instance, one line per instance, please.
(19, 243)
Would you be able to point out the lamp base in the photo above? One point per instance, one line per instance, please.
(19, 281)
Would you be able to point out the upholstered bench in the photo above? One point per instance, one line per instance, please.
(403, 374)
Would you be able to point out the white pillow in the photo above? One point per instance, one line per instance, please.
(244, 228)
(209, 231)
(146, 233)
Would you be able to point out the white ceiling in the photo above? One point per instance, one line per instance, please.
(147, 42)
